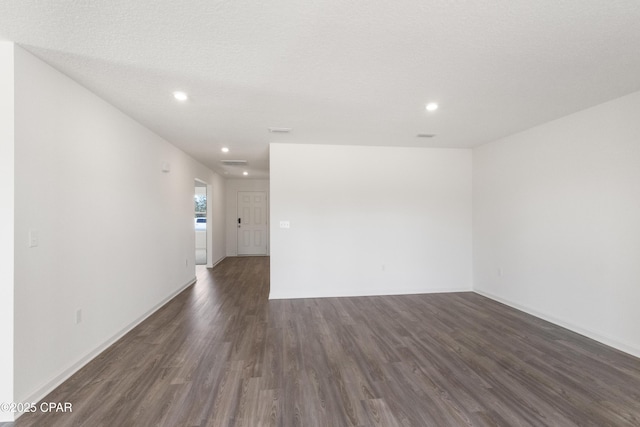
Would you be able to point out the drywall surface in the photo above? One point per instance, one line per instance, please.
(216, 203)
(231, 189)
(6, 225)
(556, 221)
(115, 234)
(369, 220)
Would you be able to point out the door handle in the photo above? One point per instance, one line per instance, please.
(239, 222)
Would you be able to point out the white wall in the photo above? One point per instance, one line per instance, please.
(231, 189)
(115, 233)
(557, 208)
(6, 225)
(216, 204)
(369, 220)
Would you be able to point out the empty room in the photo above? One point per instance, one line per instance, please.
(328, 213)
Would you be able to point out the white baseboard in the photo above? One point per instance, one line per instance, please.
(365, 293)
(629, 349)
(44, 390)
(217, 262)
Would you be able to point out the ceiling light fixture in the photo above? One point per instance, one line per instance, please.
(224, 150)
(426, 135)
(245, 173)
(432, 106)
(180, 96)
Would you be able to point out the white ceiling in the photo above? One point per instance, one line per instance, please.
(336, 71)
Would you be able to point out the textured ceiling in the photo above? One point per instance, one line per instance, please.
(336, 71)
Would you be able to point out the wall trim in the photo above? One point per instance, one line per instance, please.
(629, 349)
(51, 385)
(217, 262)
(367, 293)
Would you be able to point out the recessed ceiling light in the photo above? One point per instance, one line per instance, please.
(225, 150)
(180, 96)
(279, 130)
(245, 173)
(432, 106)
(426, 135)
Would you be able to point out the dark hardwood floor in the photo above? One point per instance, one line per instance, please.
(222, 354)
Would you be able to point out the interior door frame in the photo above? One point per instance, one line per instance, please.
(209, 217)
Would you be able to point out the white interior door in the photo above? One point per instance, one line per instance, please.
(252, 223)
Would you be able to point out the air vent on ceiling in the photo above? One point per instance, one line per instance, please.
(426, 135)
(279, 130)
(234, 162)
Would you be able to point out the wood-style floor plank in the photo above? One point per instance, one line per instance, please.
(222, 354)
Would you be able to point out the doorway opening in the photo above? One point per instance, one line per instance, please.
(200, 222)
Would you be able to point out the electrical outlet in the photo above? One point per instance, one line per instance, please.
(500, 272)
(78, 316)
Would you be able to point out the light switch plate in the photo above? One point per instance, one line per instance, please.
(33, 238)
